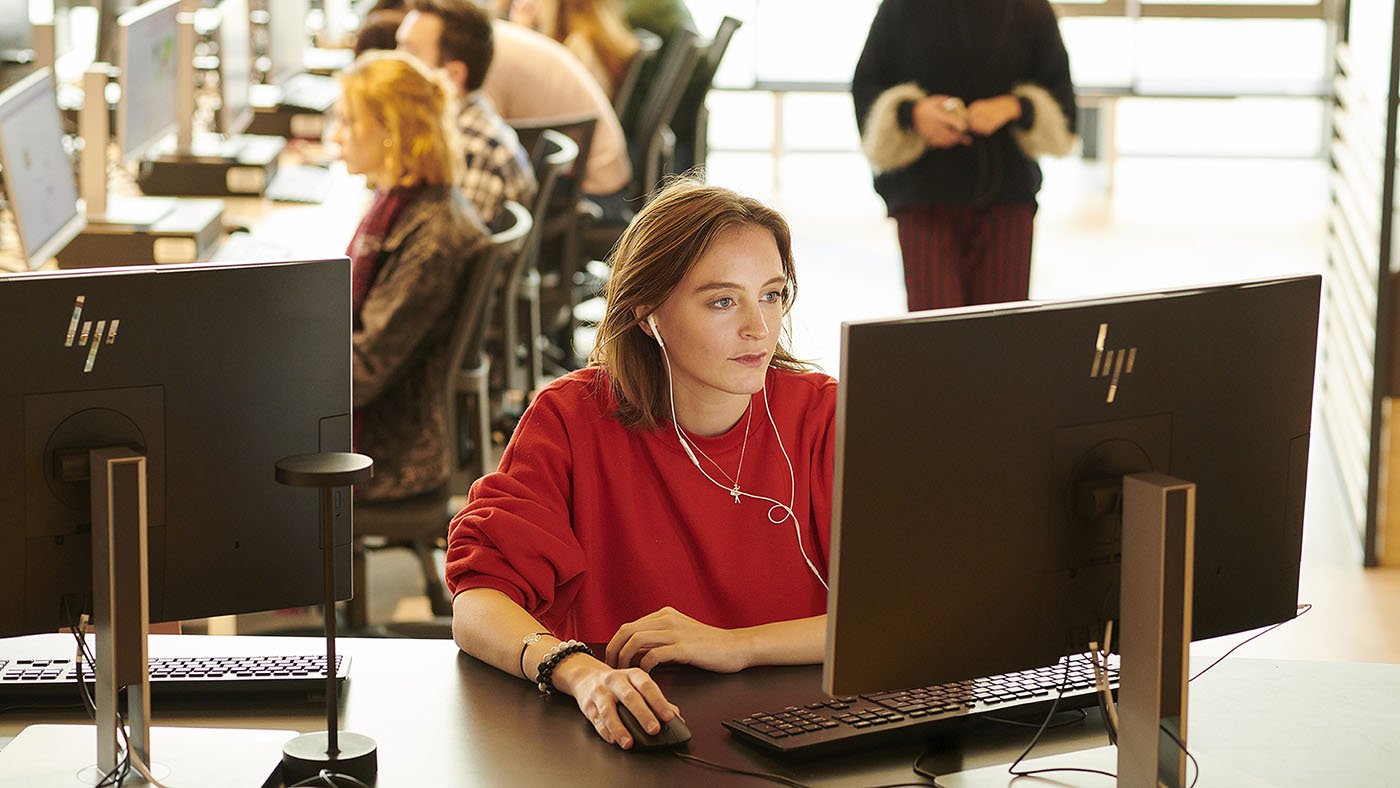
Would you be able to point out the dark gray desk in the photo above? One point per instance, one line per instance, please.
(442, 718)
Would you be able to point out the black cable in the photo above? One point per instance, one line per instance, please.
(1082, 716)
(777, 778)
(1303, 608)
(1189, 756)
(1064, 683)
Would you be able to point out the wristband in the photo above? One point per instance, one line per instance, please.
(528, 641)
(544, 678)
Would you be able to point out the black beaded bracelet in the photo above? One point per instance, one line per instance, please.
(544, 677)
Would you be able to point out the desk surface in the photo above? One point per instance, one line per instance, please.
(443, 718)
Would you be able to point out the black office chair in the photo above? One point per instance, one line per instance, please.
(559, 258)
(624, 97)
(521, 326)
(650, 140)
(691, 122)
(419, 523)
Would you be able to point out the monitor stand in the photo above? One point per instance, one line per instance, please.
(1159, 524)
(239, 165)
(59, 755)
(146, 231)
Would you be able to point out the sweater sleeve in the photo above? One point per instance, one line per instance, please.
(1048, 89)
(879, 93)
(515, 534)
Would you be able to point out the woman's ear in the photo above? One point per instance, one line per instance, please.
(640, 313)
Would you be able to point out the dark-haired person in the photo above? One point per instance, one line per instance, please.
(955, 100)
(456, 36)
(673, 498)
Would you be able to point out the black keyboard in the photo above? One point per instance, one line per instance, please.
(25, 680)
(832, 725)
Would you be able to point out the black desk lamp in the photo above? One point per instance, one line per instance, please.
(341, 753)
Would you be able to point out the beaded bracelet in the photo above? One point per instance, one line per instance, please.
(544, 678)
(527, 642)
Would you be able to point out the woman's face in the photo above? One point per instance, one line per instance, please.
(362, 146)
(721, 325)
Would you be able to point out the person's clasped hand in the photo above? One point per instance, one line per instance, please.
(938, 120)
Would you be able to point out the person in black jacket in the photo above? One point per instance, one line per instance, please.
(955, 99)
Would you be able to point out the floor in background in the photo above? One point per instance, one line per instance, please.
(1157, 223)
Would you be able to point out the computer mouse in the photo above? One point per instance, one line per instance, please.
(671, 734)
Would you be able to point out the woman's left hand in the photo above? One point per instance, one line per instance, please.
(669, 635)
(986, 116)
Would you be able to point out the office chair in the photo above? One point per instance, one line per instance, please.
(520, 325)
(649, 45)
(691, 122)
(559, 259)
(419, 523)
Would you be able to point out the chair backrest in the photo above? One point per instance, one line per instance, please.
(714, 53)
(663, 95)
(689, 116)
(649, 45)
(477, 301)
(579, 128)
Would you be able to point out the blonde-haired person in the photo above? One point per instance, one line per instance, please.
(670, 500)
(410, 258)
(595, 31)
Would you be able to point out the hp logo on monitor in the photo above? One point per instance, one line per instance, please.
(103, 333)
(1112, 364)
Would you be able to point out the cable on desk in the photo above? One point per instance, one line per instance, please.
(1303, 608)
(777, 778)
(1064, 682)
(328, 778)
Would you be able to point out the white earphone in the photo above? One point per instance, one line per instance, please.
(786, 509)
(655, 332)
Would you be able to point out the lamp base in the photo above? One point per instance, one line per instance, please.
(306, 755)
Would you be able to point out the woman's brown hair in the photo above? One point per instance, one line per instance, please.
(412, 104)
(656, 251)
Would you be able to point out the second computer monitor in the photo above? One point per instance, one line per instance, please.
(235, 66)
(286, 39)
(148, 60)
(979, 459)
(39, 181)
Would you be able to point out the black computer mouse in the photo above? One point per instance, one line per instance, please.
(671, 734)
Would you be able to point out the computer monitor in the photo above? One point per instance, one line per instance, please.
(979, 458)
(215, 372)
(149, 69)
(16, 36)
(235, 66)
(286, 40)
(39, 180)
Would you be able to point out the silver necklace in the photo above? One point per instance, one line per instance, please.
(734, 482)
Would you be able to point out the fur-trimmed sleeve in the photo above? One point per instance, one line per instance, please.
(1049, 133)
(886, 143)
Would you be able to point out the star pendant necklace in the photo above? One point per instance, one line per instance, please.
(734, 489)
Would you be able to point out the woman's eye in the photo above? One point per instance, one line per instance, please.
(774, 297)
(723, 303)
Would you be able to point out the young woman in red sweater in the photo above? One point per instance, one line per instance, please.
(671, 500)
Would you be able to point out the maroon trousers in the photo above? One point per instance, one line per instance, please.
(956, 255)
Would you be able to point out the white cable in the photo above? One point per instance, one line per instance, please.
(792, 477)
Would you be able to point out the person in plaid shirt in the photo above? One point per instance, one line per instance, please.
(456, 36)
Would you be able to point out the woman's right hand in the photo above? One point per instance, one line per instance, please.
(598, 689)
(941, 126)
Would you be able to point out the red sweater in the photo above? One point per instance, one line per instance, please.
(588, 525)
